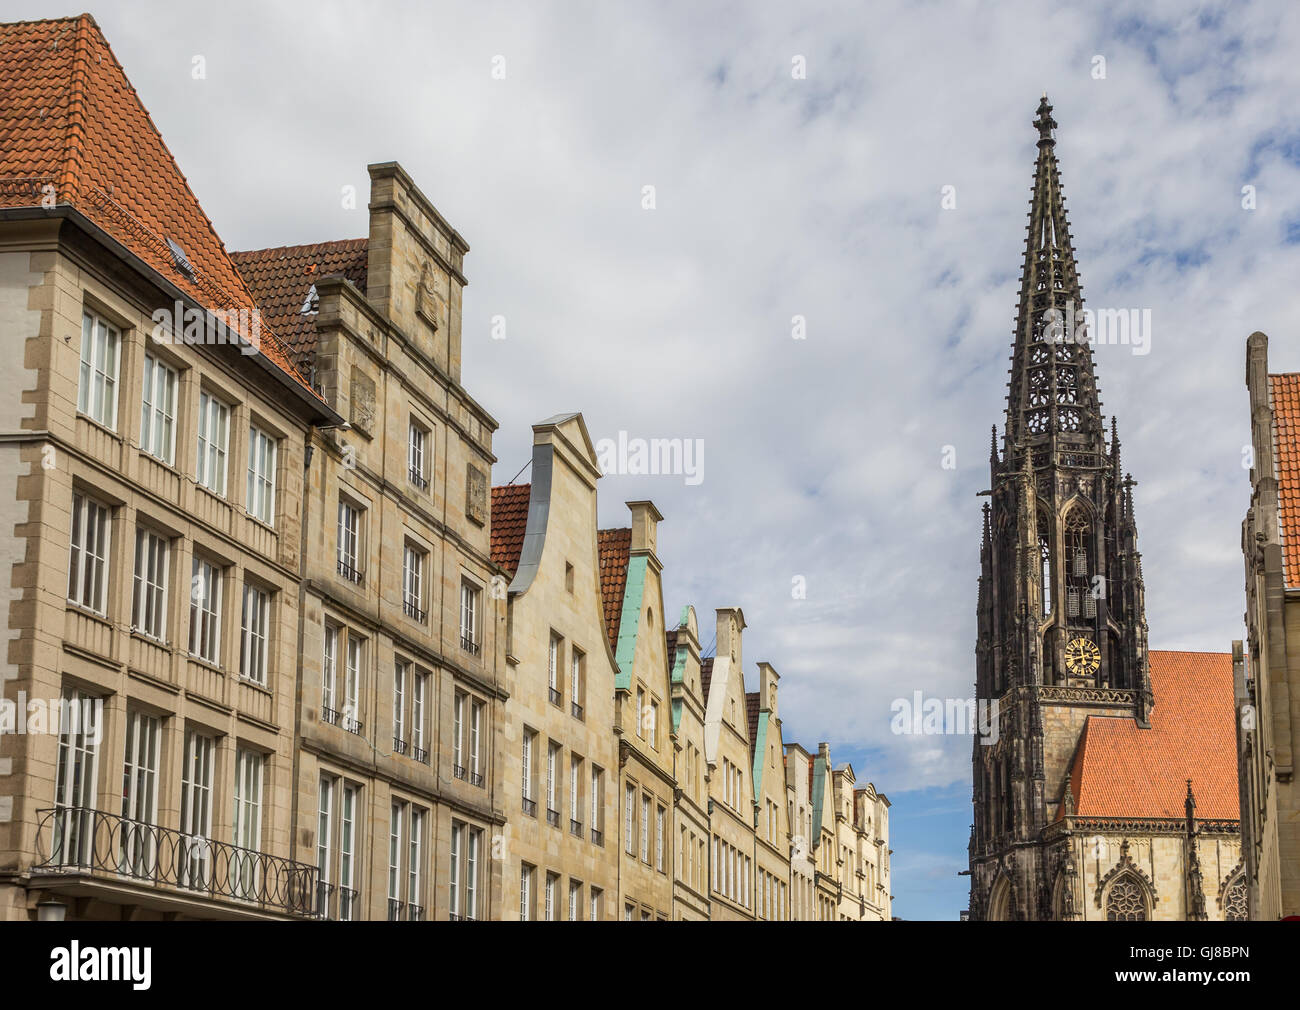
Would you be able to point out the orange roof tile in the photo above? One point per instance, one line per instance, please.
(614, 548)
(282, 278)
(509, 523)
(1122, 770)
(1284, 392)
(73, 127)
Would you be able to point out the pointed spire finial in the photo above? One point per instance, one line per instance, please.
(1045, 124)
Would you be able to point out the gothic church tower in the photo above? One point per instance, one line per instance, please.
(1061, 625)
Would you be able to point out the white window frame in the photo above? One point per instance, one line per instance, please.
(413, 559)
(158, 410)
(260, 501)
(399, 699)
(349, 536)
(417, 440)
(101, 361)
(329, 667)
(250, 780)
(90, 549)
(205, 611)
(255, 634)
(196, 809)
(139, 792)
(77, 782)
(469, 607)
(213, 444)
(149, 584)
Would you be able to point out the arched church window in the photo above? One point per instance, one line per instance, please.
(1045, 562)
(1234, 904)
(1126, 900)
(1080, 601)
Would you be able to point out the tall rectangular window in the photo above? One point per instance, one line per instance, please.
(659, 839)
(158, 410)
(149, 588)
(458, 734)
(97, 389)
(349, 541)
(525, 892)
(395, 862)
(453, 875)
(214, 444)
(205, 611)
(261, 475)
(255, 632)
(348, 852)
(595, 909)
(415, 867)
(550, 897)
(352, 685)
(552, 787)
(553, 668)
(575, 900)
(475, 737)
(139, 794)
(399, 705)
(629, 818)
(640, 712)
(575, 794)
(196, 811)
(249, 769)
(419, 682)
(417, 439)
(413, 582)
(645, 829)
(471, 873)
(597, 798)
(526, 767)
(654, 724)
(576, 694)
(88, 561)
(469, 595)
(329, 674)
(78, 777)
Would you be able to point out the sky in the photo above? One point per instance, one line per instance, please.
(806, 296)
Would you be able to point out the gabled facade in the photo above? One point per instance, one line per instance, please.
(631, 580)
(771, 800)
(691, 772)
(803, 867)
(1268, 673)
(561, 764)
(824, 837)
(871, 818)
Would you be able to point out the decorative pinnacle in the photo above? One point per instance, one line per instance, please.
(1045, 124)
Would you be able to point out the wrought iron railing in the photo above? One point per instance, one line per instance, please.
(597, 837)
(350, 573)
(353, 725)
(330, 715)
(420, 754)
(81, 840)
(553, 818)
(412, 609)
(460, 771)
(575, 828)
(530, 807)
(554, 695)
(400, 746)
(415, 913)
(395, 909)
(468, 644)
(476, 779)
(576, 709)
(417, 479)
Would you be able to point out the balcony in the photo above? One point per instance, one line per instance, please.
(353, 725)
(460, 771)
(329, 715)
(412, 610)
(83, 842)
(530, 807)
(414, 913)
(350, 573)
(468, 644)
(395, 909)
(575, 710)
(420, 754)
(400, 746)
(417, 478)
(553, 818)
(475, 779)
(554, 695)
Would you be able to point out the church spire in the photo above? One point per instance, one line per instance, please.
(1053, 391)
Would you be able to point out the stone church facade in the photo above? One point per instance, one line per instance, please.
(1110, 792)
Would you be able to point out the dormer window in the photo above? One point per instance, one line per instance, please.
(311, 303)
(179, 257)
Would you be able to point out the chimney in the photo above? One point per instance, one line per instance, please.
(645, 526)
(414, 266)
(731, 622)
(767, 678)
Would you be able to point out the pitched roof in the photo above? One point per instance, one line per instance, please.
(71, 125)
(509, 523)
(706, 678)
(751, 713)
(614, 548)
(281, 280)
(1122, 770)
(1284, 392)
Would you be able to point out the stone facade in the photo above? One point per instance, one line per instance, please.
(1268, 673)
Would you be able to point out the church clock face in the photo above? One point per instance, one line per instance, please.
(1082, 657)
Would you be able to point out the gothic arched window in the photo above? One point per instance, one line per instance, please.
(1234, 901)
(1078, 566)
(1126, 901)
(1045, 562)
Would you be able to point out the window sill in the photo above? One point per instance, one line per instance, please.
(256, 685)
(207, 664)
(102, 427)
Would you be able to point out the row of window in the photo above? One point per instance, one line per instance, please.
(575, 909)
(771, 896)
(731, 869)
(89, 563)
(97, 399)
(577, 680)
(137, 848)
(647, 718)
(638, 827)
(733, 784)
(594, 784)
(351, 551)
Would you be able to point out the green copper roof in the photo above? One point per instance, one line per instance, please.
(629, 621)
(819, 791)
(677, 666)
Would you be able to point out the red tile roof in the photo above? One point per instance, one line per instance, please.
(509, 523)
(1121, 770)
(614, 547)
(1284, 391)
(71, 125)
(282, 278)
